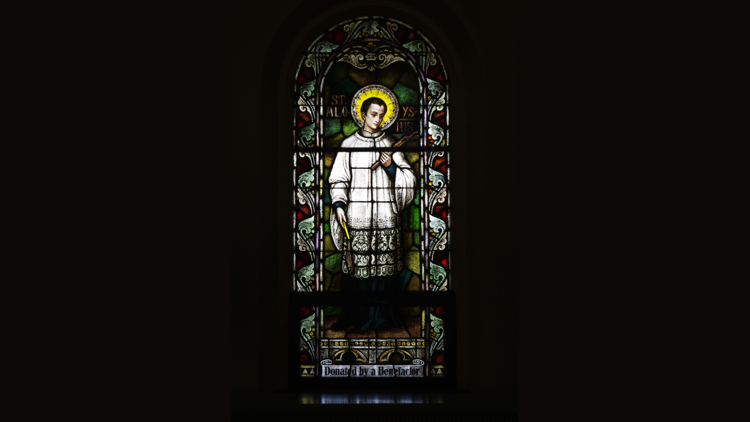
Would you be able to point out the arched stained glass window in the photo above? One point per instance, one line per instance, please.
(371, 204)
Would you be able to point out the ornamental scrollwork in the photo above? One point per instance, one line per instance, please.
(307, 326)
(438, 327)
(306, 135)
(371, 57)
(436, 132)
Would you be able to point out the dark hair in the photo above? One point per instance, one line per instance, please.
(372, 100)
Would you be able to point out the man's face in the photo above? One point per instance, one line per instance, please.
(374, 117)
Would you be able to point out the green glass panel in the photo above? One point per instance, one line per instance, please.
(402, 279)
(329, 246)
(336, 282)
(415, 284)
(327, 278)
(334, 141)
(417, 193)
(410, 80)
(331, 126)
(328, 160)
(362, 77)
(349, 128)
(347, 86)
(406, 220)
(333, 262)
(391, 74)
(412, 260)
(413, 213)
(337, 72)
(332, 310)
(412, 310)
(406, 96)
(417, 238)
(327, 194)
(326, 228)
(408, 240)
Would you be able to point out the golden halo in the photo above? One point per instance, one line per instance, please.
(381, 92)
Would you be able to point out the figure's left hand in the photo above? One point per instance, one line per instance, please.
(385, 158)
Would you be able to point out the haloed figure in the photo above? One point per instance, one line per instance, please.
(365, 216)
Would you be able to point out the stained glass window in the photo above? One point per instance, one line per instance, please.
(371, 203)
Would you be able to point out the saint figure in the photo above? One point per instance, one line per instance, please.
(366, 205)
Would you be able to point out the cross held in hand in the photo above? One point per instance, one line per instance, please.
(398, 144)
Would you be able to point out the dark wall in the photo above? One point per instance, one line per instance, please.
(483, 47)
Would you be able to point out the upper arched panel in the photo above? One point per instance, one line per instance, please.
(362, 52)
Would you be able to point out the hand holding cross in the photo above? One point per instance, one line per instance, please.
(385, 157)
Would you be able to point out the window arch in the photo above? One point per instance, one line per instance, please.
(371, 206)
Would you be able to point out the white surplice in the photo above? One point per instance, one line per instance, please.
(373, 203)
